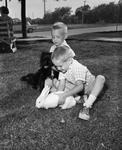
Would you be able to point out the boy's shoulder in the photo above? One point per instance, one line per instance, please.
(65, 44)
(77, 64)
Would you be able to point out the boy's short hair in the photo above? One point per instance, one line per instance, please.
(62, 53)
(60, 25)
(4, 10)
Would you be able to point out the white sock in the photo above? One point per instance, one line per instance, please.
(90, 101)
(85, 98)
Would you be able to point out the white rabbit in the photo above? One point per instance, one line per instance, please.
(46, 100)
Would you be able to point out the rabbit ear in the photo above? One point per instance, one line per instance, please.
(45, 91)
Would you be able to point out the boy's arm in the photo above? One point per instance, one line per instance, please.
(61, 85)
(76, 89)
(58, 85)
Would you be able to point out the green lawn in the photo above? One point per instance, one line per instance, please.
(47, 27)
(24, 127)
(89, 36)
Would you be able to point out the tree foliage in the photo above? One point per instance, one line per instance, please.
(102, 13)
(60, 14)
(81, 11)
(107, 13)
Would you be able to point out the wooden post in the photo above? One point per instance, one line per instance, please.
(6, 4)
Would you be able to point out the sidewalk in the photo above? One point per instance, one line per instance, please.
(108, 39)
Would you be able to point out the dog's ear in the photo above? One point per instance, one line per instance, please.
(45, 59)
(43, 54)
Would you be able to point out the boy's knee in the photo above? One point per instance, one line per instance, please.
(101, 78)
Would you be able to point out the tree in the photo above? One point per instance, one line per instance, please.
(106, 12)
(119, 13)
(61, 14)
(23, 18)
(80, 12)
(48, 17)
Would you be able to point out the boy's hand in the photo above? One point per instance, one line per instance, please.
(61, 98)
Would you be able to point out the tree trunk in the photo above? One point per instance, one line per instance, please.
(23, 17)
(6, 4)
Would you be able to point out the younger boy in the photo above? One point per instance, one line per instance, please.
(72, 72)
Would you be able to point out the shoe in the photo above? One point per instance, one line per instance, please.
(84, 114)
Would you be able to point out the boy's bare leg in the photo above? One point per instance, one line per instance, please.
(94, 89)
(98, 85)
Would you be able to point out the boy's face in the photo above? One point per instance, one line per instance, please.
(61, 65)
(58, 37)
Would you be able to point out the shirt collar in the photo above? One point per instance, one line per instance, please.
(64, 43)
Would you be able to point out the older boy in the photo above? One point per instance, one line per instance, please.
(72, 72)
(59, 35)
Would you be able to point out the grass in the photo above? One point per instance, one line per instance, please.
(95, 35)
(24, 127)
(47, 27)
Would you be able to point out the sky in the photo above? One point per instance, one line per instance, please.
(35, 8)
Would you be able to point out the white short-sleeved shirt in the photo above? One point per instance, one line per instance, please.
(76, 72)
(63, 44)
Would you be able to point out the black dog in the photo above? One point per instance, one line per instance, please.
(37, 80)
